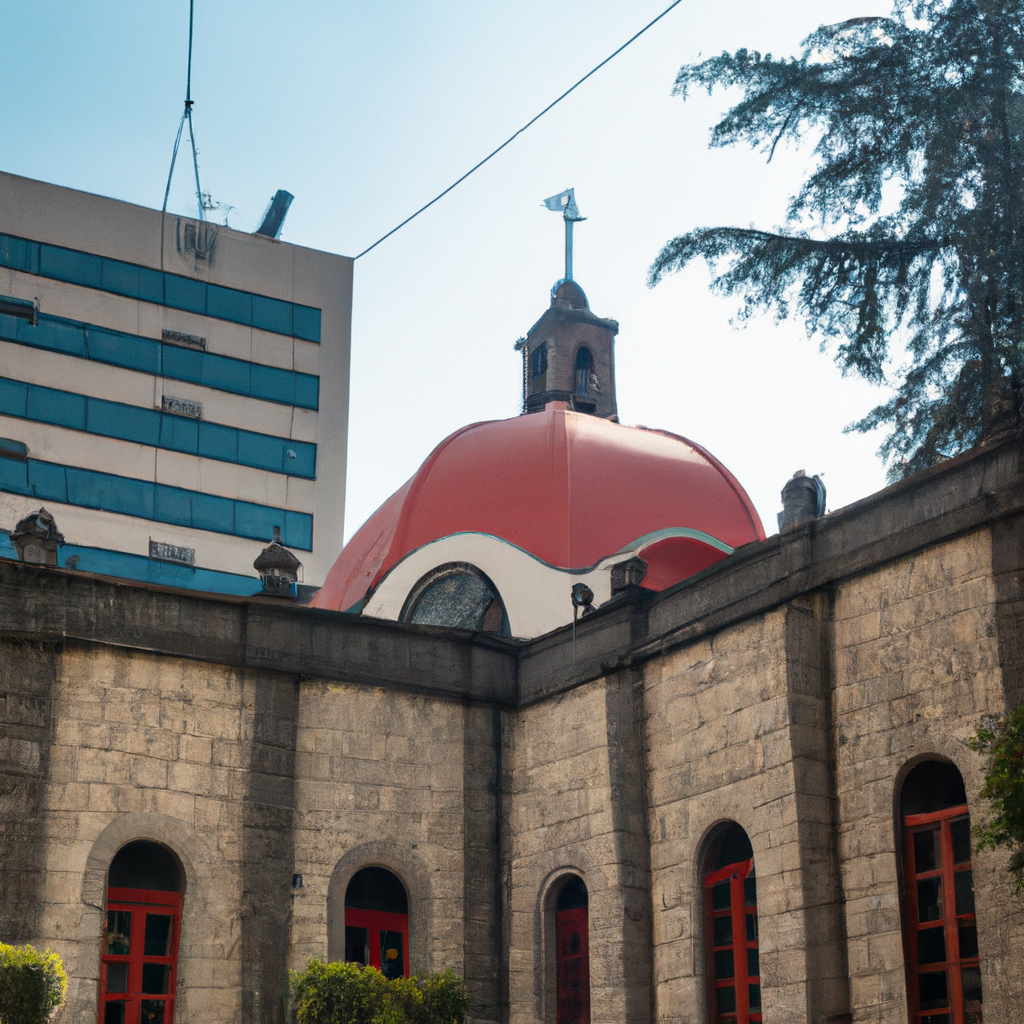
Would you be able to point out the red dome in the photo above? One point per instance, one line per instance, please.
(566, 487)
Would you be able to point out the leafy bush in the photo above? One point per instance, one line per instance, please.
(32, 984)
(1001, 737)
(342, 993)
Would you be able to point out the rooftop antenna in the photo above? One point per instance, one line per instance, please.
(565, 203)
(186, 116)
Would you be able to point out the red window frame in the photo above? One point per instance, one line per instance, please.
(739, 942)
(377, 921)
(955, 918)
(572, 966)
(139, 903)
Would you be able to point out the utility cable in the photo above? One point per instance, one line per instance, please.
(186, 116)
(512, 138)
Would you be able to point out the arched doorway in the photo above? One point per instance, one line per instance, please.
(377, 922)
(731, 929)
(138, 966)
(572, 953)
(940, 930)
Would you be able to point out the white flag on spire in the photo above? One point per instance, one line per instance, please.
(561, 201)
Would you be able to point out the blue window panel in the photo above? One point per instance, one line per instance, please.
(13, 397)
(181, 363)
(307, 391)
(228, 304)
(304, 463)
(261, 451)
(258, 521)
(112, 493)
(123, 350)
(173, 505)
(151, 285)
(14, 476)
(46, 480)
(306, 322)
(68, 265)
(128, 422)
(217, 442)
(19, 254)
(120, 278)
(210, 512)
(226, 374)
(184, 293)
(55, 335)
(298, 530)
(47, 405)
(271, 314)
(273, 383)
(179, 434)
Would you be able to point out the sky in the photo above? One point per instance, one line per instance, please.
(366, 109)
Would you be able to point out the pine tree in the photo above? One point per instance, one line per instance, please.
(927, 107)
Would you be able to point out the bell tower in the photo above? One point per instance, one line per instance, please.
(569, 356)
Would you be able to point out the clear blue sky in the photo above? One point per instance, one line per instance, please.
(365, 109)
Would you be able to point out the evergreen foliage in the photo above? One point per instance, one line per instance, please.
(926, 108)
(345, 993)
(1002, 739)
(32, 984)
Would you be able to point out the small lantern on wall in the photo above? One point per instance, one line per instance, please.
(36, 538)
(278, 567)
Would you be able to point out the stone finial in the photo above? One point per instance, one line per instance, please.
(36, 538)
(628, 574)
(803, 498)
(278, 567)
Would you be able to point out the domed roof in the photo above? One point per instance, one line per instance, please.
(567, 488)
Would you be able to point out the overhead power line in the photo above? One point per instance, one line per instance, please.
(511, 138)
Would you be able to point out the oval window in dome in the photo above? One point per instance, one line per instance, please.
(458, 595)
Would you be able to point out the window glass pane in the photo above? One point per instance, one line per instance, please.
(971, 980)
(119, 929)
(723, 931)
(932, 1018)
(720, 896)
(158, 935)
(968, 941)
(753, 964)
(724, 966)
(755, 996)
(117, 977)
(751, 927)
(152, 1011)
(932, 988)
(750, 892)
(960, 830)
(727, 999)
(927, 851)
(929, 899)
(155, 978)
(356, 943)
(113, 1013)
(963, 882)
(392, 962)
(931, 945)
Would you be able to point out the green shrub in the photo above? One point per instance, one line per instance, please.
(32, 984)
(1002, 739)
(342, 993)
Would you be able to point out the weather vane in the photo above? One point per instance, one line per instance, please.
(565, 203)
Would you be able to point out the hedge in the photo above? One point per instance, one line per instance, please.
(343, 993)
(32, 984)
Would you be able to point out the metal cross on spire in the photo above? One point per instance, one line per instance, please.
(565, 203)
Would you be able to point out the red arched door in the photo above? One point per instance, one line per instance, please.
(572, 954)
(377, 922)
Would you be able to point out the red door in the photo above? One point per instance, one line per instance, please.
(378, 938)
(572, 966)
(138, 967)
(731, 923)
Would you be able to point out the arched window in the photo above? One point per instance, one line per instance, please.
(584, 368)
(138, 966)
(459, 595)
(572, 953)
(940, 933)
(730, 921)
(377, 922)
